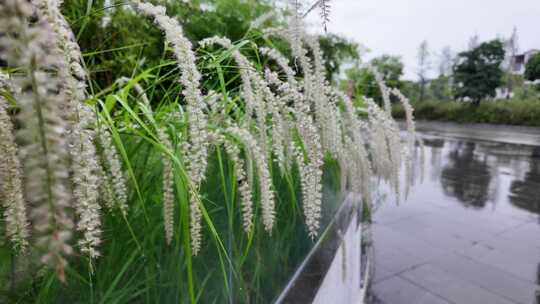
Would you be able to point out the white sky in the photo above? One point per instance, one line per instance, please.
(397, 27)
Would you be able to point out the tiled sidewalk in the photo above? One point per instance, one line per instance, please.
(427, 257)
(470, 234)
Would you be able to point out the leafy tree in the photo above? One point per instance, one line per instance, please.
(440, 88)
(478, 73)
(512, 49)
(423, 67)
(474, 42)
(361, 82)
(411, 89)
(532, 69)
(446, 60)
(390, 67)
(336, 51)
(512, 45)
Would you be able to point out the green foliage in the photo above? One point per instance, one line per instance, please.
(478, 72)
(137, 265)
(511, 112)
(440, 89)
(411, 89)
(337, 51)
(390, 67)
(126, 40)
(361, 82)
(513, 82)
(115, 39)
(532, 69)
(526, 92)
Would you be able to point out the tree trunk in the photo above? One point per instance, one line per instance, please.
(422, 89)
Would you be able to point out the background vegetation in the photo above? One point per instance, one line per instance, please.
(511, 112)
(475, 85)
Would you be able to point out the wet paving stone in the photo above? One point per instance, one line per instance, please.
(488, 277)
(381, 273)
(470, 233)
(519, 250)
(523, 268)
(399, 290)
(399, 243)
(524, 233)
(452, 288)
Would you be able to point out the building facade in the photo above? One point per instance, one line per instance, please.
(520, 61)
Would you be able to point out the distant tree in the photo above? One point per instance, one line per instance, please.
(477, 74)
(474, 42)
(423, 67)
(390, 67)
(337, 51)
(532, 69)
(440, 89)
(446, 61)
(512, 48)
(410, 89)
(361, 82)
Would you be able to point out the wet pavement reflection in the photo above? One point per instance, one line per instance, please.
(470, 233)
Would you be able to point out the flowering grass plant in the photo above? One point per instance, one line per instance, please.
(174, 185)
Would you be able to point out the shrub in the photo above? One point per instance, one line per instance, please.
(512, 112)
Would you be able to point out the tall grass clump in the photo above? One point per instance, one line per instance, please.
(203, 178)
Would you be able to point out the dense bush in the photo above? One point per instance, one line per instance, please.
(511, 112)
(532, 69)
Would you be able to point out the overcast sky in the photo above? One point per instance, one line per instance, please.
(397, 27)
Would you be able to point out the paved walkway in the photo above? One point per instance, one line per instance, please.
(469, 234)
(499, 133)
